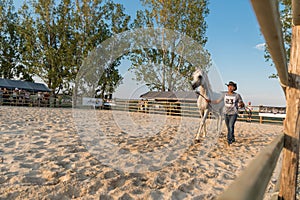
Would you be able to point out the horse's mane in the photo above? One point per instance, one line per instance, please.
(207, 82)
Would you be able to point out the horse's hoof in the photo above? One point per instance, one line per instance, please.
(197, 140)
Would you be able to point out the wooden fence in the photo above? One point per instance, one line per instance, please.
(34, 100)
(170, 107)
(252, 183)
(185, 109)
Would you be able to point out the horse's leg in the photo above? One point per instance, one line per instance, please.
(220, 120)
(204, 122)
(197, 138)
(202, 125)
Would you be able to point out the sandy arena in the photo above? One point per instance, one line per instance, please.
(62, 154)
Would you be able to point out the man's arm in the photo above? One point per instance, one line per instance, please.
(240, 101)
(215, 101)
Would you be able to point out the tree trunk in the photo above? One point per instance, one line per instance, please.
(290, 161)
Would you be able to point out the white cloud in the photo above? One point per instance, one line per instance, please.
(260, 47)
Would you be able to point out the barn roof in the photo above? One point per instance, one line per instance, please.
(24, 85)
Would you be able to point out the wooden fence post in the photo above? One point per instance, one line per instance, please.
(290, 161)
(260, 119)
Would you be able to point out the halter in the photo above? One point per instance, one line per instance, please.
(197, 92)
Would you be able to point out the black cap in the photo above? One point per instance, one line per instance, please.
(233, 84)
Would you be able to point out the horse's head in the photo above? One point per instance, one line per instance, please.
(197, 79)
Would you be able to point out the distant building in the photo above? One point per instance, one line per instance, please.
(170, 102)
(23, 85)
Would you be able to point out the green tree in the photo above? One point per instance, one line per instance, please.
(10, 44)
(285, 7)
(40, 32)
(58, 37)
(94, 23)
(160, 67)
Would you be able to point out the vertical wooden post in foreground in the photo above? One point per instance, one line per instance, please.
(290, 162)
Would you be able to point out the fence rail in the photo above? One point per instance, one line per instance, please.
(35, 101)
(186, 109)
(252, 183)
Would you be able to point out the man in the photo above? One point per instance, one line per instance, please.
(249, 109)
(232, 102)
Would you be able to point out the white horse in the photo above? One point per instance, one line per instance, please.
(201, 81)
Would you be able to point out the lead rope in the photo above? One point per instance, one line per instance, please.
(209, 104)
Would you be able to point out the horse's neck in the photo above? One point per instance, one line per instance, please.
(205, 89)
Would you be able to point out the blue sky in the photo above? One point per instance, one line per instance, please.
(234, 41)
